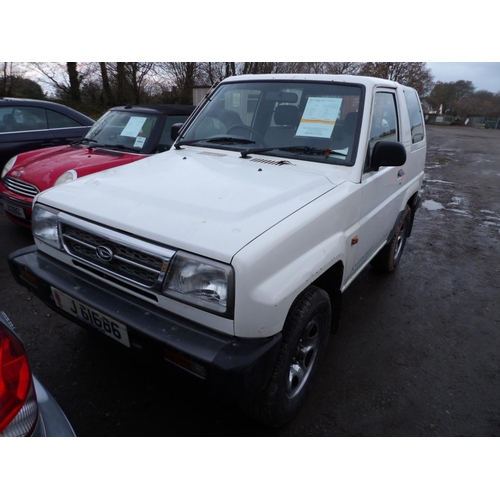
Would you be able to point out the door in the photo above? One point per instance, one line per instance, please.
(382, 190)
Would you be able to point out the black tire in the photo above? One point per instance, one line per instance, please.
(388, 258)
(305, 336)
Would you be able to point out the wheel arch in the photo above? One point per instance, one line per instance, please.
(414, 203)
(331, 282)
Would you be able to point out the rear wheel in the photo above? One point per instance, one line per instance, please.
(388, 258)
(305, 336)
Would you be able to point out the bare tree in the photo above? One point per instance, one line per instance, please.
(107, 96)
(14, 83)
(210, 73)
(413, 74)
(65, 79)
(120, 83)
(137, 80)
(449, 94)
(6, 87)
(182, 76)
(481, 103)
(74, 81)
(342, 68)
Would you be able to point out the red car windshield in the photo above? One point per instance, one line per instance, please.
(121, 130)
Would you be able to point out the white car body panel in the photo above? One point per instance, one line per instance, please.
(167, 201)
(280, 222)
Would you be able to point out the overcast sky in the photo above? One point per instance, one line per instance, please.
(484, 75)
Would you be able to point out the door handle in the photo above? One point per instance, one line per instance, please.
(401, 173)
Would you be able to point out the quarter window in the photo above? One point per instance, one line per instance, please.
(415, 114)
(57, 120)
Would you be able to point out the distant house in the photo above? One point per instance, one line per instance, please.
(199, 93)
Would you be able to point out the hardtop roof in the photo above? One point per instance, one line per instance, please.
(163, 109)
(368, 81)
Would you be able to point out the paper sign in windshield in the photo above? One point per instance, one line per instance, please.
(318, 119)
(139, 142)
(133, 126)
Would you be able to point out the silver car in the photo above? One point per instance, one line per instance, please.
(26, 407)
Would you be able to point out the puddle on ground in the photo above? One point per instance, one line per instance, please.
(432, 205)
(437, 181)
(455, 201)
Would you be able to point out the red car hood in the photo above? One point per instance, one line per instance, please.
(43, 167)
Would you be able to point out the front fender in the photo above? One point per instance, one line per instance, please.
(275, 268)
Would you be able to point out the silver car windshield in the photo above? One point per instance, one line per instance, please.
(312, 120)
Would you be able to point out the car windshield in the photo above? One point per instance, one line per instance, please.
(121, 130)
(316, 121)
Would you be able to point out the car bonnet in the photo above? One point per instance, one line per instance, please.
(44, 168)
(203, 201)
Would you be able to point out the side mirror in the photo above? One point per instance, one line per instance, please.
(174, 131)
(387, 154)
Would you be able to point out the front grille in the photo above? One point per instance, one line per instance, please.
(117, 255)
(20, 187)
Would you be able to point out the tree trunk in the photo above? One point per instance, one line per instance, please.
(120, 83)
(134, 84)
(107, 96)
(74, 82)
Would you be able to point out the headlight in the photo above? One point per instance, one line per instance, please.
(68, 176)
(8, 166)
(44, 226)
(200, 282)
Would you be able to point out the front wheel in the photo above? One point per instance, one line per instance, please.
(305, 336)
(388, 258)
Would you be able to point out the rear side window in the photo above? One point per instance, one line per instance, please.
(165, 140)
(57, 120)
(415, 113)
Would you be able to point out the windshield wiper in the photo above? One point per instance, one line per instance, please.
(81, 141)
(313, 151)
(295, 149)
(224, 138)
(246, 152)
(121, 147)
(236, 140)
(186, 143)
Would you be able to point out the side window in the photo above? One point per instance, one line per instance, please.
(415, 114)
(17, 119)
(165, 141)
(384, 125)
(57, 120)
(8, 122)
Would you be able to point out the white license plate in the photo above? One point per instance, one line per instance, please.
(103, 323)
(14, 210)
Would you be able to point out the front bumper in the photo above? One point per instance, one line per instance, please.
(16, 210)
(233, 368)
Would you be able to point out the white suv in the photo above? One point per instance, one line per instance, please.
(228, 254)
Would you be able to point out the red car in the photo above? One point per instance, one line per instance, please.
(123, 135)
(26, 407)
